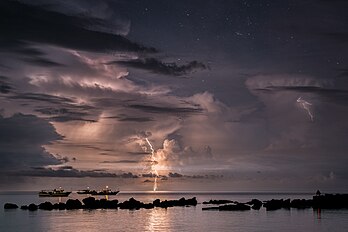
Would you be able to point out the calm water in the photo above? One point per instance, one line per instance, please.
(171, 219)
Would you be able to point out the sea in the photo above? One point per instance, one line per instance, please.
(170, 219)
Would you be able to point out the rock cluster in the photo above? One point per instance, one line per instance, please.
(327, 201)
(92, 203)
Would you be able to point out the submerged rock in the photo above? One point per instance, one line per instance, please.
(10, 206)
(236, 207)
(24, 207)
(230, 207)
(32, 207)
(218, 202)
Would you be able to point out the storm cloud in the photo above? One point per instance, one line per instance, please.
(159, 67)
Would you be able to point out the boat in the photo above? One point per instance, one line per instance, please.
(54, 193)
(105, 191)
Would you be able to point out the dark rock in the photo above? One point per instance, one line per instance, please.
(90, 203)
(148, 206)
(131, 204)
(230, 207)
(256, 204)
(60, 206)
(10, 206)
(46, 206)
(157, 203)
(211, 208)
(218, 202)
(301, 203)
(277, 204)
(24, 207)
(113, 204)
(236, 207)
(32, 207)
(330, 201)
(73, 204)
(192, 201)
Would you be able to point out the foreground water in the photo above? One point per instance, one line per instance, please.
(171, 219)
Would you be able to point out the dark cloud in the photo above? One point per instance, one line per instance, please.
(65, 114)
(341, 37)
(331, 94)
(5, 86)
(304, 89)
(166, 109)
(21, 141)
(42, 97)
(69, 171)
(138, 153)
(56, 108)
(43, 62)
(126, 118)
(120, 162)
(69, 118)
(9, 45)
(34, 23)
(343, 73)
(159, 67)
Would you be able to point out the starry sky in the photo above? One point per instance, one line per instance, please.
(232, 95)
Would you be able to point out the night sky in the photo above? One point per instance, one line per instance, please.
(233, 95)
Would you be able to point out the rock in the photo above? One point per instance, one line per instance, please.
(32, 207)
(60, 206)
(230, 207)
(90, 203)
(157, 202)
(10, 206)
(192, 201)
(46, 206)
(218, 202)
(131, 204)
(211, 208)
(236, 207)
(256, 204)
(277, 204)
(148, 206)
(113, 204)
(330, 201)
(24, 207)
(73, 204)
(301, 203)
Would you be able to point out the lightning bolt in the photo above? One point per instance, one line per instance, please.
(153, 164)
(305, 105)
